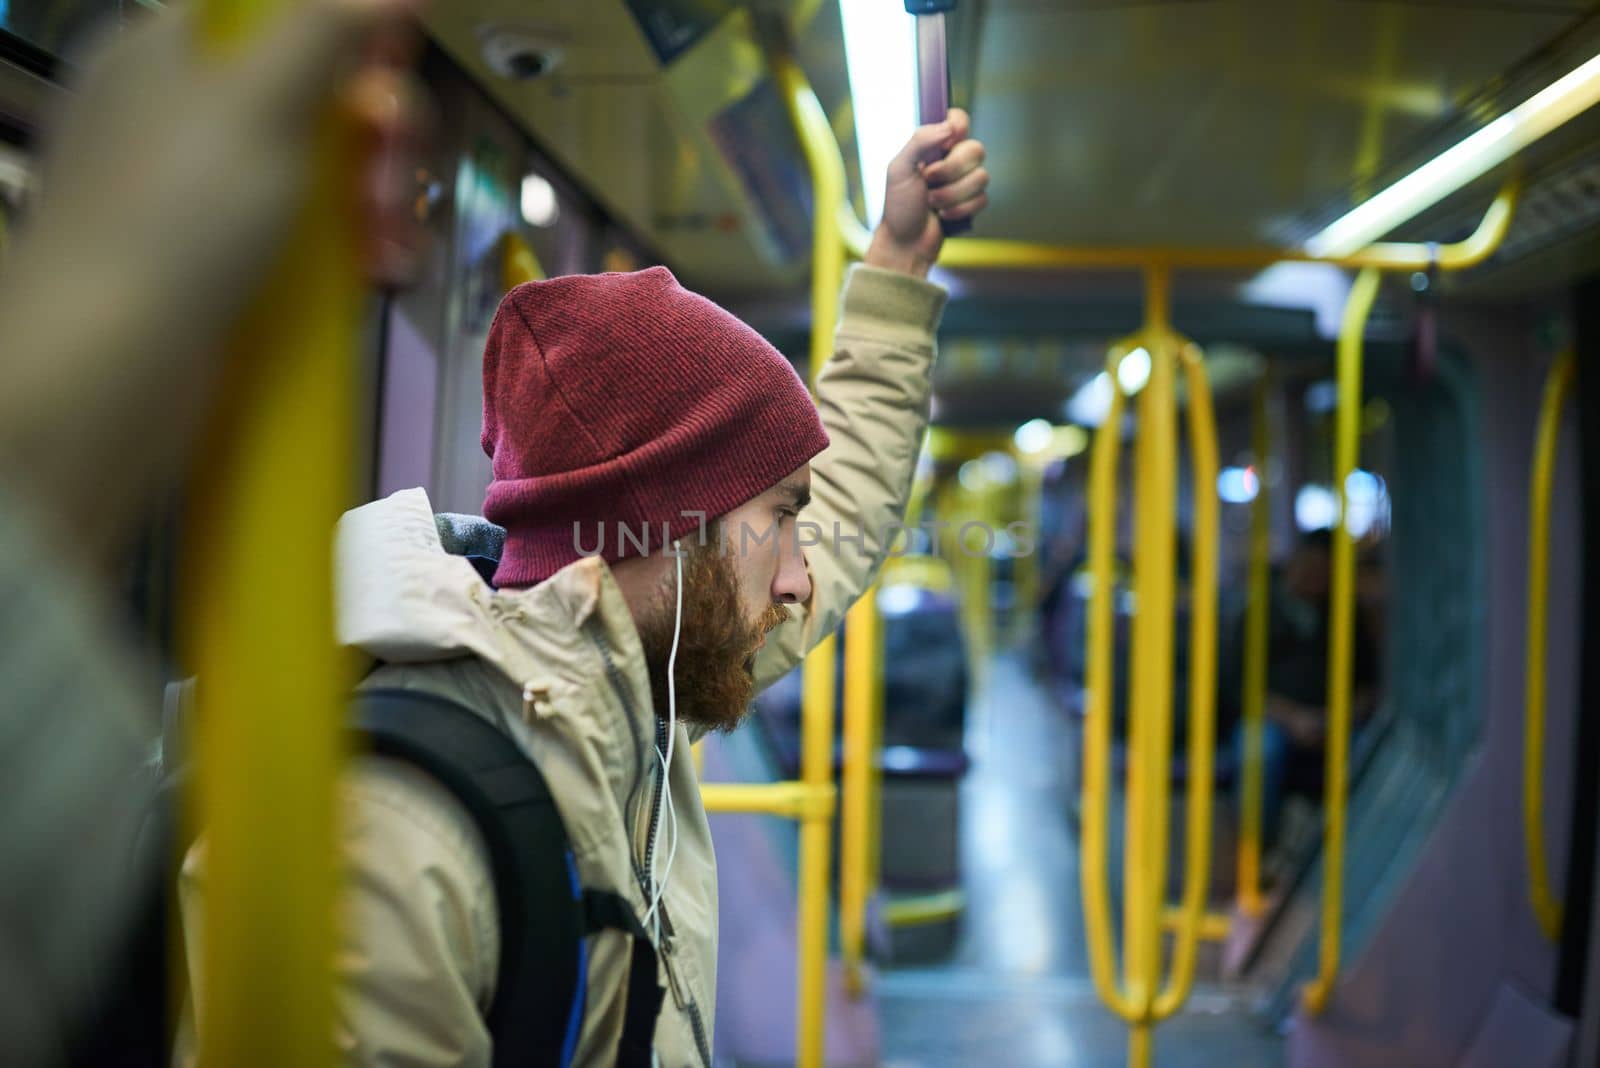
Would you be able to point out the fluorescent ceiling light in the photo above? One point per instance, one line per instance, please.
(539, 204)
(1454, 168)
(999, 468)
(1320, 288)
(880, 50)
(1133, 371)
(1034, 436)
(1091, 403)
(1238, 485)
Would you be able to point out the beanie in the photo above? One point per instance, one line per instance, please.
(621, 411)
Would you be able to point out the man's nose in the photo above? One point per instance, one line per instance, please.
(792, 584)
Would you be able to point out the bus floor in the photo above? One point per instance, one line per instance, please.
(1016, 990)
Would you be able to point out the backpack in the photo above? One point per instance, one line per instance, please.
(545, 913)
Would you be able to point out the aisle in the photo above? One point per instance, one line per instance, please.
(1016, 992)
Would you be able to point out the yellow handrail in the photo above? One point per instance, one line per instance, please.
(1255, 666)
(817, 682)
(862, 668)
(1150, 666)
(1347, 444)
(987, 253)
(791, 800)
(1557, 387)
(1140, 999)
(1202, 685)
(1098, 689)
(258, 629)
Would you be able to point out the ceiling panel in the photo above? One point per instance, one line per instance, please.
(1129, 122)
(1220, 121)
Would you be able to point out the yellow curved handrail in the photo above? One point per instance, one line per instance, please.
(1149, 780)
(1098, 689)
(1255, 667)
(1557, 387)
(1139, 998)
(1202, 685)
(258, 629)
(979, 253)
(1347, 444)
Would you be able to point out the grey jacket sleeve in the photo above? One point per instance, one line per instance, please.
(78, 723)
(873, 396)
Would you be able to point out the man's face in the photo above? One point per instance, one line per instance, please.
(761, 540)
(734, 591)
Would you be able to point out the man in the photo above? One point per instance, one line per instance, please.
(1294, 737)
(624, 416)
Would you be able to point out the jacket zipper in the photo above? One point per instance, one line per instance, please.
(700, 1033)
(655, 805)
(689, 1004)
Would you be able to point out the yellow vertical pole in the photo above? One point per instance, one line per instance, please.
(1557, 386)
(1255, 666)
(818, 676)
(1347, 444)
(1150, 691)
(861, 710)
(258, 631)
(1027, 566)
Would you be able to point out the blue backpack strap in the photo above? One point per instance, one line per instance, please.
(537, 1009)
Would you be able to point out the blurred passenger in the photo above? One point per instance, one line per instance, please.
(165, 189)
(624, 417)
(1295, 727)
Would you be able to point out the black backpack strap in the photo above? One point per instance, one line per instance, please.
(537, 1009)
(604, 909)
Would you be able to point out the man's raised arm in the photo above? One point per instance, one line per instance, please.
(873, 394)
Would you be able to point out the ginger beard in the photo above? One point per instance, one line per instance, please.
(717, 646)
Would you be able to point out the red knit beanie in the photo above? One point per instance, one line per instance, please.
(615, 403)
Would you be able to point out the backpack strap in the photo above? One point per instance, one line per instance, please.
(604, 909)
(537, 1010)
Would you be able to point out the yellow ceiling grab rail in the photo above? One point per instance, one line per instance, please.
(258, 630)
(1557, 388)
(1139, 999)
(1341, 633)
(977, 253)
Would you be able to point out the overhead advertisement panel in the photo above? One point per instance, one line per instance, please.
(674, 26)
(745, 133)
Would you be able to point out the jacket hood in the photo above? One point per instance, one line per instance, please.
(408, 593)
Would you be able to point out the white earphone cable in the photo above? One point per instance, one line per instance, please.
(664, 809)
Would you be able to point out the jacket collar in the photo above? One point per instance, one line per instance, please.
(403, 597)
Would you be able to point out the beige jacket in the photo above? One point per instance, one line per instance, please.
(559, 667)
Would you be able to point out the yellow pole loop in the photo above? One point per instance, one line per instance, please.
(258, 630)
(1255, 667)
(1557, 387)
(1202, 685)
(1347, 445)
(1098, 688)
(1149, 780)
(817, 681)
